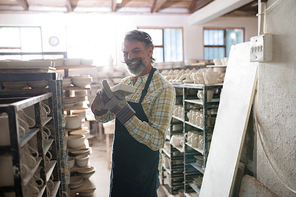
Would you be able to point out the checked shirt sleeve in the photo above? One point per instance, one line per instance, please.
(152, 134)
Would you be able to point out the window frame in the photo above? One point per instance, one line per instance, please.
(225, 39)
(162, 46)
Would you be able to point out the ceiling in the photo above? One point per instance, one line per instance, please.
(113, 6)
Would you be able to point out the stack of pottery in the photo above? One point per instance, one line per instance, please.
(73, 122)
(69, 102)
(81, 81)
(178, 111)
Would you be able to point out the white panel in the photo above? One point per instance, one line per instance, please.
(231, 123)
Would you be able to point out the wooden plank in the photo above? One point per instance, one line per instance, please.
(251, 187)
(158, 4)
(23, 3)
(68, 5)
(231, 123)
(199, 4)
(113, 5)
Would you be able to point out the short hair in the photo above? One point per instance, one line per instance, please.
(142, 36)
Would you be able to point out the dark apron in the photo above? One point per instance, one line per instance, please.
(134, 170)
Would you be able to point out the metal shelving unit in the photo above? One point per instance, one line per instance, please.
(190, 168)
(15, 100)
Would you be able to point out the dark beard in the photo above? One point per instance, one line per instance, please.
(136, 69)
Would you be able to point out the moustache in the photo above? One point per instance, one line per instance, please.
(128, 62)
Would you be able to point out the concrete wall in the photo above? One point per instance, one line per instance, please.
(276, 102)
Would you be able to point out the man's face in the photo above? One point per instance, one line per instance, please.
(136, 56)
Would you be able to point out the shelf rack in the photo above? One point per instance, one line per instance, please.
(190, 168)
(25, 98)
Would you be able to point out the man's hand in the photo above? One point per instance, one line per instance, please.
(97, 106)
(116, 103)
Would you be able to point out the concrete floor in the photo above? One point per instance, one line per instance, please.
(101, 178)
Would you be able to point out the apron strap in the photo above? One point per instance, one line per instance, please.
(144, 91)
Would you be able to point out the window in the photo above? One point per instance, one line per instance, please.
(92, 43)
(168, 43)
(20, 39)
(217, 42)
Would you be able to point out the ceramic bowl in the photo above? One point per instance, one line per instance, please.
(71, 162)
(82, 160)
(81, 81)
(14, 85)
(75, 141)
(37, 84)
(81, 132)
(73, 122)
(67, 82)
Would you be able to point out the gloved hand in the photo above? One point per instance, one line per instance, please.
(97, 106)
(116, 103)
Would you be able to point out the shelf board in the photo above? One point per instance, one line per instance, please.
(196, 189)
(198, 167)
(60, 68)
(49, 169)
(45, 120)
(167, 169)
(88, 185)
(47, 144)
(197, 86)
(178, 118)
(77, 168)
(55, 189)
(197, 149)
(76, 108)
(200, 102)
(28, 176)
(166, 153)
(191, 195)
(194, 125)
(181, 149)
(28, 136)
(41, 191)
(77, 88)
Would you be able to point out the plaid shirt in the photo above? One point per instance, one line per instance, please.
(158, 106)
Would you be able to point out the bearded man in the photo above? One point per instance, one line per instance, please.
(142, 119)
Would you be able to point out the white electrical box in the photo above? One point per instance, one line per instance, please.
(261, 48)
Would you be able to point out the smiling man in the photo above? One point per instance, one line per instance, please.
(141, 120)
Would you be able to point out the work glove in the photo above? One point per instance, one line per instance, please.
(116, 103)
(97, 106)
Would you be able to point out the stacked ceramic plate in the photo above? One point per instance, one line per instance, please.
(75, 182)
(86, 174)
(69, 102)
(85, 152)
